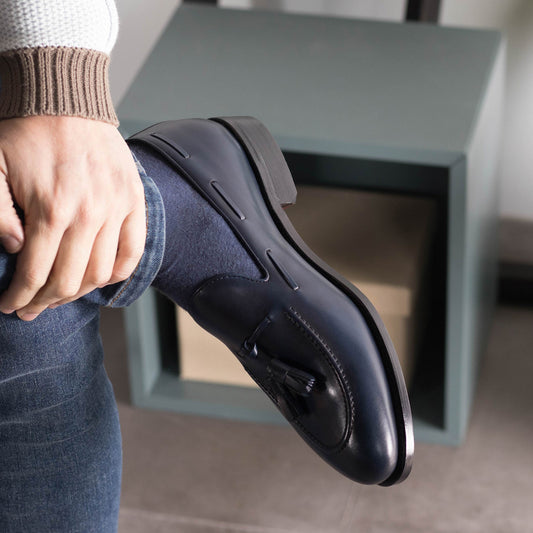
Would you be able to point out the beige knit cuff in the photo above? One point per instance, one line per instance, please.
(55, 81)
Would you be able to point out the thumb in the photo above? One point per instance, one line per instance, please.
(11, 231)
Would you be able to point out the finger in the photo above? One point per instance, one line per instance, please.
(130, 246)
(66, 274)
(11, 231)
(125, 260)
(34, 264)
(101, 262)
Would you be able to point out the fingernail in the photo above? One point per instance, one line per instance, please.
(7, 311)
(11, 244)
(53, 306)
(29, 316)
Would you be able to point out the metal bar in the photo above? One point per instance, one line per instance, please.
(423, 11)
(212, 2)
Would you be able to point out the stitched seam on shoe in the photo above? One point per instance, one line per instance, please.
(206, 283)
(343, 442)
(308, 434)
(335, 448)
(327, 353)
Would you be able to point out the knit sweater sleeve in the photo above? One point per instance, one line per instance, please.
(54, 58)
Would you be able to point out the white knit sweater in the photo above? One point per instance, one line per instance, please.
(89, 24)
(54, 57)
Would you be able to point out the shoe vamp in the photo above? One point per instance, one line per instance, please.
(330, 342)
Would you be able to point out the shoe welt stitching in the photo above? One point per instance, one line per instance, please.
(336, 448)
(328, 354)
(340, 368)
(308, 434)
(210, 281)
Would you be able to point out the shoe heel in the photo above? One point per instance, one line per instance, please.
(265, 154)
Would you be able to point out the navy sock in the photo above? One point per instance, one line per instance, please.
(199, 243)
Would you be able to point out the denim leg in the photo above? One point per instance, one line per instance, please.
(60, 443)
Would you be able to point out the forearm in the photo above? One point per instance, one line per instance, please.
(54, 58)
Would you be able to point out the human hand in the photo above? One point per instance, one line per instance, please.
(83, 202)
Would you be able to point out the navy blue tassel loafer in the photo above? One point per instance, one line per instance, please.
(310, 339)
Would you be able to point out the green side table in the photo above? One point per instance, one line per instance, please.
(404, 108)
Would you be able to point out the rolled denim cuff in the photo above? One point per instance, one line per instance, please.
(125, 293)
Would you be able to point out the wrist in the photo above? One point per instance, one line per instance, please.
(56, 81)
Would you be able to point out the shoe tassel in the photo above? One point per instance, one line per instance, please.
(286, 379)
(296, 380)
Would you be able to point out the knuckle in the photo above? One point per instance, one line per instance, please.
(33, 279)
(119, 275)
(57, 217)
(123, 271)
(87, 214)
(130, 253)
(65, 292)
(133, 187)
(98, 278)
(65, 289)
(131, 259)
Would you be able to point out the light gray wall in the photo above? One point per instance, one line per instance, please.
(142, 22)
(372, 9)
(515, 19)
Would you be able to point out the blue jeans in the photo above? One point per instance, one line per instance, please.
(60, 442)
